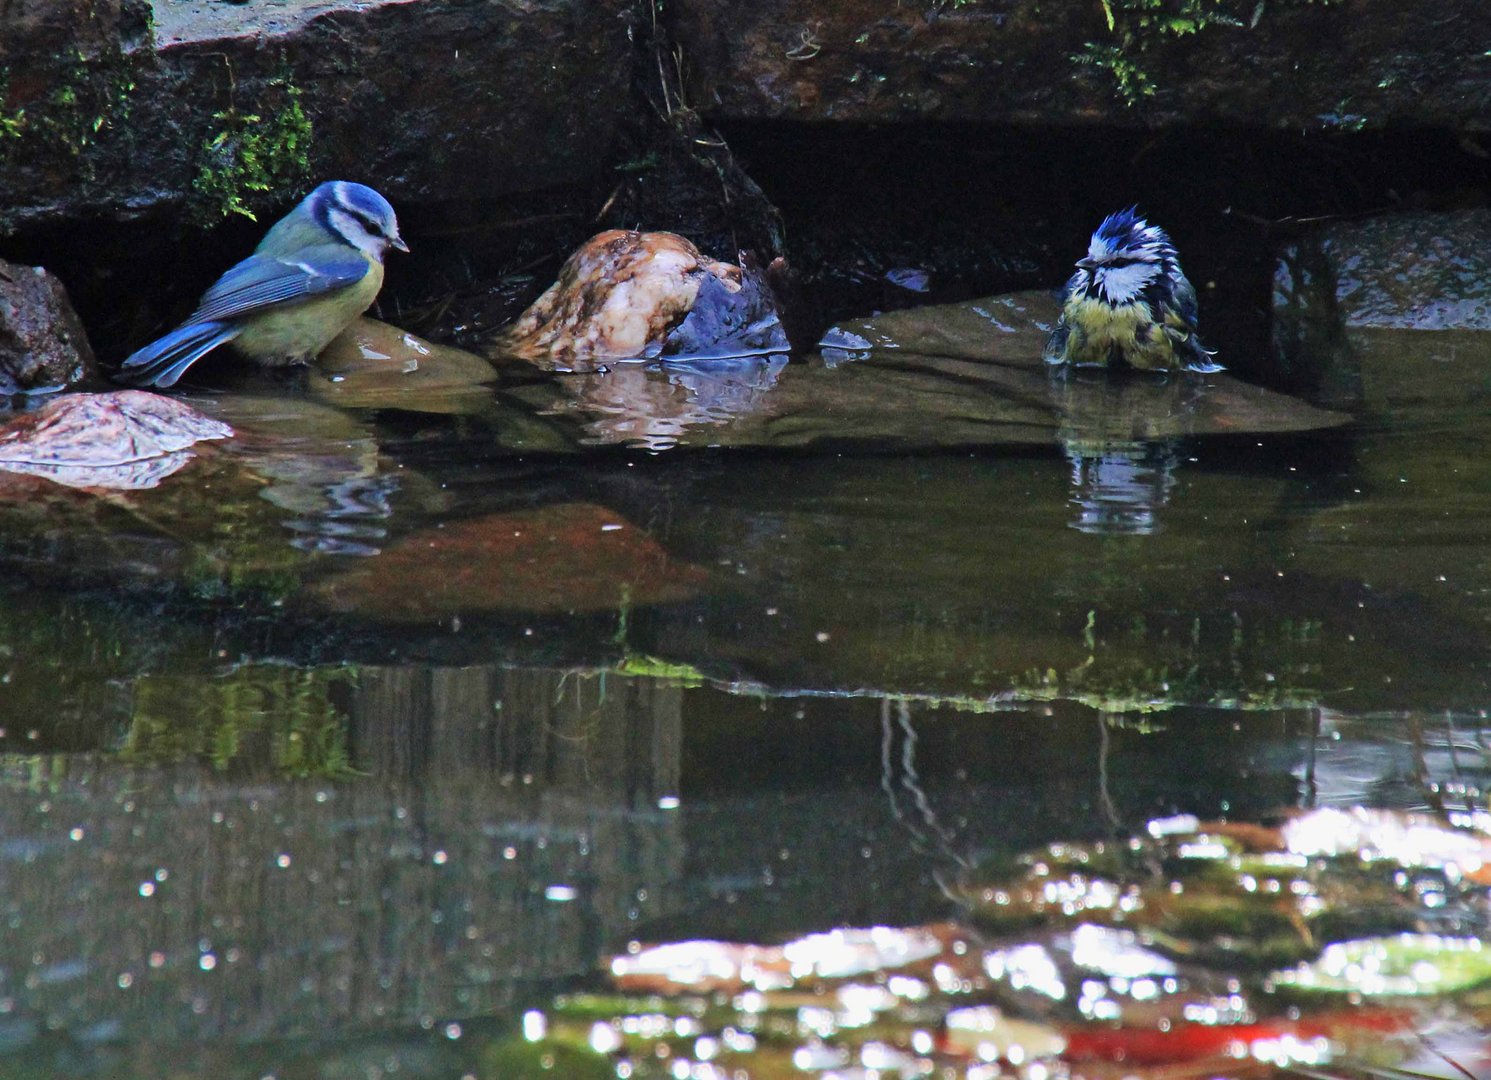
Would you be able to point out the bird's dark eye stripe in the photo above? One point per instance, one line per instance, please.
(366, 220)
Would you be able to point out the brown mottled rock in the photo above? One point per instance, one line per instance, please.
(564, 558)
(114, 107)
(42, 342)
(625, 295)
(1012, 61)
(127, 439)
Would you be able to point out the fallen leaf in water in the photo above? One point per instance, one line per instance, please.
(123, 440)
(1409, 840)
(571, 557)
(1404, 965)
(1230, 895)
(1313, 1040)
(804, 964)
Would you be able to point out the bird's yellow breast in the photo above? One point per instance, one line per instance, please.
(296, 333)
(1098, 329)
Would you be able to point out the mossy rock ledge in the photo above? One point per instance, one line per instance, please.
(1287, 65)
(111, 109)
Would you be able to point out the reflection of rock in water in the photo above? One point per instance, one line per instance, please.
(509, 829)
(653, 405)
(629, 295)
(557, 729)
(1119, 487)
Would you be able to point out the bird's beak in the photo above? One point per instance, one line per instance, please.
(1087, 263)
(397, 243)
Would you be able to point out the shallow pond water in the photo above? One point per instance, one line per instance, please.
(364, 739)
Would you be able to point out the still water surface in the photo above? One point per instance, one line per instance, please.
(343, 749)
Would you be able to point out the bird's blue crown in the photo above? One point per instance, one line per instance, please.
(358, 200)
(1126, 233)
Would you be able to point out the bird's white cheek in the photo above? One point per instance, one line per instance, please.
(1121, 284)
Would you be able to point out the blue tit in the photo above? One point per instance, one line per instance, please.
(1129, 303)
(317, 269)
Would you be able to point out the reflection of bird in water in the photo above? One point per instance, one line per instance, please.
(351, 520)
(316, 270)
(1118, 488)
(1129, 303)
(628, 295)
(1121, 437)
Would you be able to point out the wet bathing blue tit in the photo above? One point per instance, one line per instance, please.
(1129, 303)
(316, 270)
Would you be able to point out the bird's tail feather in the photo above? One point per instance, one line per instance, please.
(164, 360)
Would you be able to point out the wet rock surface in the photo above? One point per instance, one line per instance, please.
(117, 109)
(1387, 312)
(42, 341)
(126, 439)
(1410, 271)
(1026, 62)
(951, 375)
(372, 364)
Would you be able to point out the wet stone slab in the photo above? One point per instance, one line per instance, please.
(958, 375)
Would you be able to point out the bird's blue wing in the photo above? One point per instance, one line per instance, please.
(164, 360)
(263, 281)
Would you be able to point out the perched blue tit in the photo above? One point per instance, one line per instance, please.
(316, 270)
(1129, 303)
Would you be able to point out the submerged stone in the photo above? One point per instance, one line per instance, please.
(629, 295)
(1249, 897)
(937, 1000)
(566, 558)
(42, 342)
